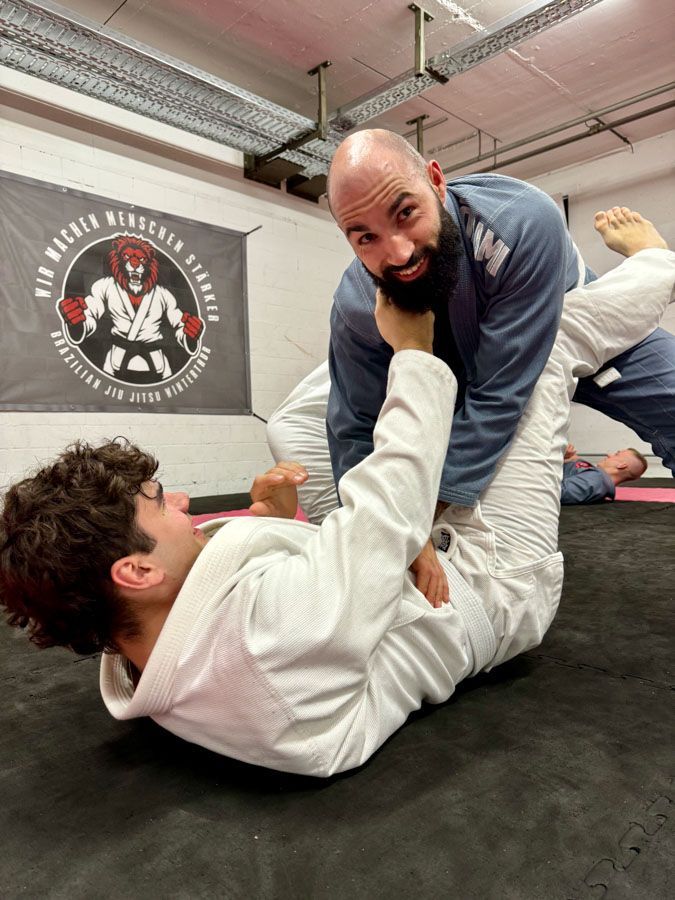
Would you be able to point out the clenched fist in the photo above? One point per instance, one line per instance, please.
(401, 329)
(192, 325)
(276, 492)
(72, 309)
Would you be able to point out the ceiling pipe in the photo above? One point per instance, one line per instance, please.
(47, 41)
(621, 104)
(570, 140)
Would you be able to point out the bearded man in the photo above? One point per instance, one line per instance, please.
(491, 257)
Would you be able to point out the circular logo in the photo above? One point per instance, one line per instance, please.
(130, 311)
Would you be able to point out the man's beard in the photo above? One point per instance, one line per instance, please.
(435, 287)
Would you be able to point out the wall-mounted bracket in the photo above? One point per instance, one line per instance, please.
(421, 67)
(598, 123)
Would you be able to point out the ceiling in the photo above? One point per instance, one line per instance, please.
(612, 51)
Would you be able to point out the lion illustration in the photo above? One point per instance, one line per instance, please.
(134, 265)
(137, 306)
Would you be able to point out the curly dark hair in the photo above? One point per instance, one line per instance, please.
(61, 531)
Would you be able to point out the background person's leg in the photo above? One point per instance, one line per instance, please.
(519, 509)
(643, 398)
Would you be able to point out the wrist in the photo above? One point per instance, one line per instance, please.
(414, 345)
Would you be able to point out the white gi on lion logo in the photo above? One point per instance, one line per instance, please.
(138, 307)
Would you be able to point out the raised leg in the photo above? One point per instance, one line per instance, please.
(520, 507)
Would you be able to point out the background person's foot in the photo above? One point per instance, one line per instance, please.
(626, 231)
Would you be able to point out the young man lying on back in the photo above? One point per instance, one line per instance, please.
(298, 647)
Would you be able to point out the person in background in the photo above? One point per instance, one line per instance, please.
(584, 482)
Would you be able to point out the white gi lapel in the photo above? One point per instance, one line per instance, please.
(140, 315)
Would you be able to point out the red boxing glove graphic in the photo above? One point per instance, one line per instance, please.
(72, 310)
(192, 325)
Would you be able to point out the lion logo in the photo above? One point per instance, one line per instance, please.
(140, 313)
(134, 266)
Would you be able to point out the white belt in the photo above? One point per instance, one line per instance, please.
(478, 627)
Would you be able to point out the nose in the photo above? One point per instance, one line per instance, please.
(398, 250)
(179, 499)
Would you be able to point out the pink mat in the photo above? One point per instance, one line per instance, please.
(205, 517)
(646, 495)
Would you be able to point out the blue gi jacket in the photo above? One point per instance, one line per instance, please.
(583, 482)
(517, 263)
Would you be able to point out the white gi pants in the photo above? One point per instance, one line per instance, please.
(506, 547)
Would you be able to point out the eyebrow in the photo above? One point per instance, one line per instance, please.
(392, 209)
(159, 496)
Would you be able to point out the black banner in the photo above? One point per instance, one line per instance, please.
(110, 307)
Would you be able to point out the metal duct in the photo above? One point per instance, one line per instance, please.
(50, 42)
(503, 35)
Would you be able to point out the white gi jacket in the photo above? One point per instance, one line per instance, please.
(159, 303)
(303, 648)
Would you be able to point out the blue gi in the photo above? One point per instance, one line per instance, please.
(518, 261)
(583, 482)
(643, 396)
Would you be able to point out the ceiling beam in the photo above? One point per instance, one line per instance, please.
(50, 42)
(508, 32)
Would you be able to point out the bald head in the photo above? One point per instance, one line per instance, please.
(366, 154)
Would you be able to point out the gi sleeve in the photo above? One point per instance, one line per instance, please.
(589, 485)
(517, 331)
(325, 610)
(358, 379)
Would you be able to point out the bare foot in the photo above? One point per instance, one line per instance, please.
(626, 231)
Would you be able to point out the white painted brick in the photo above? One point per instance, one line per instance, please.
(294, 265)
(115, 185)
(40, 164)
(10, 155)
(81, 176)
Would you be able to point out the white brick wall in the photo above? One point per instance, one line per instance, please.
(294, 263)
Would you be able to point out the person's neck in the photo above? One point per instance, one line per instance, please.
(616, 476)
(138, 649)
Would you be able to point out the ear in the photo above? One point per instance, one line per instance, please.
(437, 179)
(136, 572)
(622, 465)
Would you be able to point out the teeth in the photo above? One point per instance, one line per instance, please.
(411, 269)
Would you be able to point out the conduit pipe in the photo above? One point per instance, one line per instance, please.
(596, 129)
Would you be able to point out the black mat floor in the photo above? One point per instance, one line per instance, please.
(549, 778)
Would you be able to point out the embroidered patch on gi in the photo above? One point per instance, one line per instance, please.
(444, 541)
(607, 377)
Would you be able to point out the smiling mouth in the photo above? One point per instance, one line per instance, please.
(412, 271)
